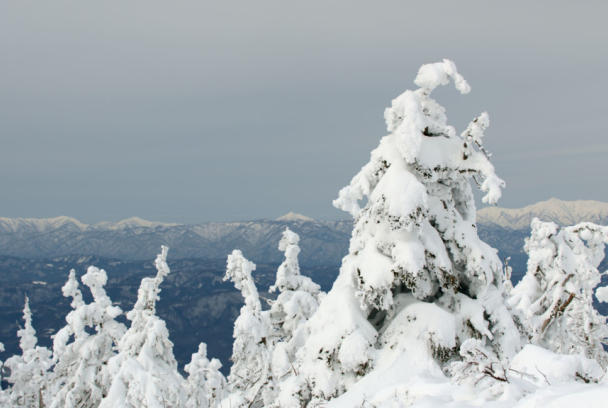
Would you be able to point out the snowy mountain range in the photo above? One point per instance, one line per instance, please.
(323, 242)
(561, 212)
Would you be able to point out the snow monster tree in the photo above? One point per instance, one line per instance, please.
(556, 294)
(417, 282)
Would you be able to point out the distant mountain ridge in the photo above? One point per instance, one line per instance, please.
(45, 224)
(322, 242)
(561, 212)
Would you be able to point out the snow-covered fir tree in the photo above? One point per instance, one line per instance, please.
(30, 376)
(251, 379)
(78, 363)
(297, 301)
(206, 385)
(417, 282)
(556, 294)
(144, 372)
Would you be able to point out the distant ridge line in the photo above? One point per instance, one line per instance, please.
(559, 211)
(322, 242)
(55, 222)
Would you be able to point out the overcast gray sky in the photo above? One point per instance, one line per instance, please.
(193, 111)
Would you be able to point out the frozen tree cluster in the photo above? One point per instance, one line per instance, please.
(422, 314)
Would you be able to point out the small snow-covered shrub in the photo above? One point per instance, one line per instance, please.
(479, 367)
(206, 386)
(544, 368)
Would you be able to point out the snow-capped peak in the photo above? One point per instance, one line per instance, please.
(50, 224)
(136, 222)
(561, 212)
(291, 216)
(13, 224)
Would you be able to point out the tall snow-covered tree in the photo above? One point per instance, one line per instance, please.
(78, 363)
(206, 385)
(297, 301)
(298, 294)
(417, 281)
(30, 374)
(250, 378)
(556, 294)
(144, 372)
